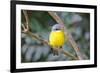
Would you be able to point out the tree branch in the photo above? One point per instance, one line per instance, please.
(70, 38)
(69, 54)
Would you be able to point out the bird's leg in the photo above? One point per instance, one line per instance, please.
(55, 51)
(52, 50)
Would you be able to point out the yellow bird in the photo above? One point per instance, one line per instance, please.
(57, 38)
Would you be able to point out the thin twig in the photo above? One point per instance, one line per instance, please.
(23, 26)
(37, 37)
(69, 54)
(27, 21)
(70, 38)
(26, 30)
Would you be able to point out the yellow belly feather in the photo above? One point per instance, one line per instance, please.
(57, 38)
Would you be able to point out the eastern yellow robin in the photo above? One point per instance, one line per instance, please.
(57, 38)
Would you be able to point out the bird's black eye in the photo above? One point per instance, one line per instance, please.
(56, 29)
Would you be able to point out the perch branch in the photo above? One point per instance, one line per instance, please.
(26, 30)
(70, 38)
(66, 53)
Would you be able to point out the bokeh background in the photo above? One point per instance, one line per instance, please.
(41, 22)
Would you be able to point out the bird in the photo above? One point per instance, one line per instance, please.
(57, 38)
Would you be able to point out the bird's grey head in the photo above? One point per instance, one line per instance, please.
(57, 27)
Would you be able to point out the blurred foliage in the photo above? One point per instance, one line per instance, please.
(41, 22)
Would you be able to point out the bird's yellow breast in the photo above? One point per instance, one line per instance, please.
(56, 38)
